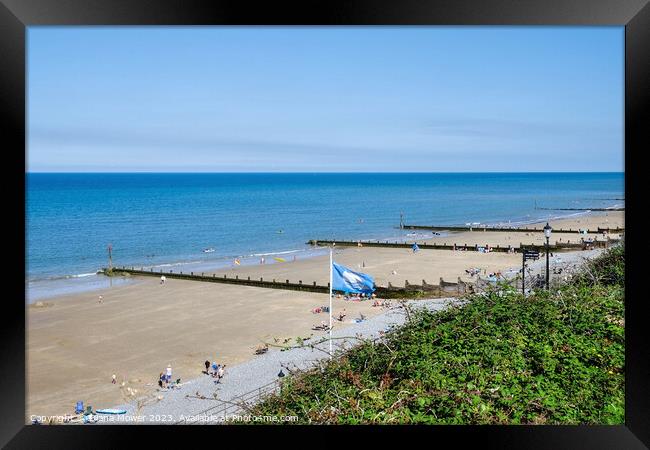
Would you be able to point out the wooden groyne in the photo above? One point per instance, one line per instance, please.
(443, 289)
(557, 247)
(224, 279)
(509, 229)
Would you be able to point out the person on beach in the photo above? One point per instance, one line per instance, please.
(114, 380)
(161, 378)
(163, 279)
(101, 299)
(220, 373)
(207, 367)
(169, 373)
(260, 350)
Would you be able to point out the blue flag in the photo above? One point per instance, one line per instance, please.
(347, 280)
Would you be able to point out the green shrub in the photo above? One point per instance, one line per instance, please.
(552, 358)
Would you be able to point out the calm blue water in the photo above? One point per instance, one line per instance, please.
(168, 219)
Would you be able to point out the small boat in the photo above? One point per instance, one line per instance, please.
(111, 411)
(208, 250)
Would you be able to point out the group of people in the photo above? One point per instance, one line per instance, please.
(260, 350)
(323, 325)
(357, 297)
(383, 303)
(218, 370)
(165, 378)
(481, 249)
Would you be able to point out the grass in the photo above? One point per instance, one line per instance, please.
(552, 358)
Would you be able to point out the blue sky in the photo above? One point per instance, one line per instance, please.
(311, 99)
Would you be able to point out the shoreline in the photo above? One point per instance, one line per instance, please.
(92, 282)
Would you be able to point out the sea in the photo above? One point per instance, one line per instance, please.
(201, 221)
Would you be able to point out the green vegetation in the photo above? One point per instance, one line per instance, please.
(551, 358)
(115, 273)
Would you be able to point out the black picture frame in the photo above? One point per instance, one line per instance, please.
(16, 15)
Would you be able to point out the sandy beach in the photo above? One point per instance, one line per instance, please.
(591, 221)
(430, 265)
(75, 343)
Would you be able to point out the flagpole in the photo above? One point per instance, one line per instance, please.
(331, 279)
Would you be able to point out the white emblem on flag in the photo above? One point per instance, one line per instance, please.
(352, 277)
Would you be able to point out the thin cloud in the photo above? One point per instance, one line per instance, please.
(510, 129)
